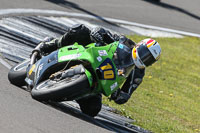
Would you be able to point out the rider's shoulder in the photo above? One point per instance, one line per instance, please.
(126, 41)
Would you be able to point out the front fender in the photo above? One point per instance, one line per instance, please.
(36, 72)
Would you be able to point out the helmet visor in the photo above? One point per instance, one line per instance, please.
(145, 55)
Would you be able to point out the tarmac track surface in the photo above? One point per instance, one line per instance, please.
(177, 14)
(19, 113)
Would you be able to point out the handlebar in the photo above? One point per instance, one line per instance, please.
(34, 57)
(35, 53)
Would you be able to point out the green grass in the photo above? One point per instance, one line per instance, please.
(168, 100)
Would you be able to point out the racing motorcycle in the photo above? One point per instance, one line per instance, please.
(74, 72)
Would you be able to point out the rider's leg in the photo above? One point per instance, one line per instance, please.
(78, 33)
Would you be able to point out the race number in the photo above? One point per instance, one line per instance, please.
(107, 70)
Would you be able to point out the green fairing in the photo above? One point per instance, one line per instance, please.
(99, 57)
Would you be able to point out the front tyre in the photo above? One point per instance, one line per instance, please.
(17, 73)
(65, 89)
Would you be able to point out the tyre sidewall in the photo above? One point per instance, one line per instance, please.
(68, 90)
(18, 77)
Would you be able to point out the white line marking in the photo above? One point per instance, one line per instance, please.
(21, 32)
(151, 33)
(28, 27)
(54, 12)
(85, 23)
(61, 20)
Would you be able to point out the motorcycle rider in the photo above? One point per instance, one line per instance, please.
(144, 54)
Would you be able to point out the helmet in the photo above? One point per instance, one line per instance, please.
(146, 53)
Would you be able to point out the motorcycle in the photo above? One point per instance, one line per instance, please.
(72, 73)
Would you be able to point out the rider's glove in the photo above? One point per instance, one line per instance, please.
(120, 97)
(100, 35)
(43, 47)
(97, 34)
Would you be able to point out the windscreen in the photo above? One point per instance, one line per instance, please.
(123, 59)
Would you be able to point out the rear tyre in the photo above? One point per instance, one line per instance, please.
(65, 89)
(17, 73)
(91, 105)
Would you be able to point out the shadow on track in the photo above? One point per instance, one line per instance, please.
(172, 7)
(105, 119)
(98, 121)
(68, 4)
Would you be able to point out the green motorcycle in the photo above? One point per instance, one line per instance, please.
(74, 72)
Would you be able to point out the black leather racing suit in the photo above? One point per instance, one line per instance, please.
(83, 35)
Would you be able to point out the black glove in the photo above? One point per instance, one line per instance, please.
(37, 49)
(100, 35)
(97, 35)
(43, 47)
(120, 97)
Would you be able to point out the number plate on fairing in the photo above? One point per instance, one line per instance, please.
(107, 70)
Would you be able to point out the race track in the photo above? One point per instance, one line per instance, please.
(20, 113)
(177, 14)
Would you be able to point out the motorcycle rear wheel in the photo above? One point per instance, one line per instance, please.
(17, 73)
(65, 89)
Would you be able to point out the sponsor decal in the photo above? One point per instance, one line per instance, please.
(102, 52)
(68, 57)
(113, 86)
(155, 51)
(99, 58)
(39, 69)
(121, 46)
(31, 70)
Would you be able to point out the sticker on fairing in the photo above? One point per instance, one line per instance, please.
(107, 70)
(121, 46)
(31, 70)
(113, 86)
(102, 52)
(39, 69)
(68, 57)
(99, 58)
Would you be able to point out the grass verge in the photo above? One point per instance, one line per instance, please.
(168, 100)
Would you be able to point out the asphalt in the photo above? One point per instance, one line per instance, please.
(19, 113)
(177, 14)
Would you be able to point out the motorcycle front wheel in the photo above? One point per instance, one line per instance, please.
(17, 73)
(65, 89)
